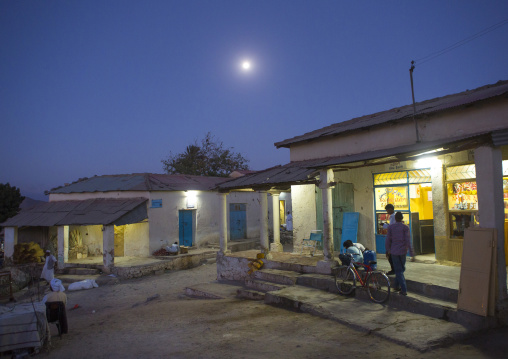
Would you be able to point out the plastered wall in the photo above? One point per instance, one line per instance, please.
(480, 118)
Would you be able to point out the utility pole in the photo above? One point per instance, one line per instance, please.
(414, 106)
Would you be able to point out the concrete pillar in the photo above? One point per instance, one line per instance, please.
(440, 210)
(108, 251)
(63, 246)
(326, 182)
(223, 223)
(263, 221)
(327, 177)
(489, 182)
(10, 240)
(276, 246)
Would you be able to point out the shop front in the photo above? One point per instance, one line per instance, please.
(463, 209)
(410, 192)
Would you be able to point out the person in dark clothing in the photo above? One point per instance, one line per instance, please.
(397, 245)
(390, 209)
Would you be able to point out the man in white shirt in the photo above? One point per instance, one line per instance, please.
(390, 209)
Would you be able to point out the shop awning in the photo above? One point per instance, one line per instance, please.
(87, 212)
(305, 172)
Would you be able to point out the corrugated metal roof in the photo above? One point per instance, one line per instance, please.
(500, 138)
(291, 173)
(404, 112)
(88, 212)
(450, 144)
(140, 182)
(305, 171)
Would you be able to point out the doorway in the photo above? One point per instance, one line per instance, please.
(342, 202)
(237, 221)
(186, 224)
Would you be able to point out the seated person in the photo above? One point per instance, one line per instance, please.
(350, 248)
(173, 249)
(57, 295)
(357, 245)
(57, 292)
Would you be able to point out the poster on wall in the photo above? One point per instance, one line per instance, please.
(414, 191)
(394, 195)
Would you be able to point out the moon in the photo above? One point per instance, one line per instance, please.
(246, 65)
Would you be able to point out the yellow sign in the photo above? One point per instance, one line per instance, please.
(394, 195)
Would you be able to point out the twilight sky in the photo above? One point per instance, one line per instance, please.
(112, 87)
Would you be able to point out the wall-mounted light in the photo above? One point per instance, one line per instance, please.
(425, 162)
(191, 199)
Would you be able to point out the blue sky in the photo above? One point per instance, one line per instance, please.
(111, 87)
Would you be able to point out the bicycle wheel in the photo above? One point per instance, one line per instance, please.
(378, 286)
(345, 280)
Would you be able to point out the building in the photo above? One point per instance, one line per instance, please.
(443, 164)
(133, 215)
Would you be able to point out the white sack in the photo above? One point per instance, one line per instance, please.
(84, 284)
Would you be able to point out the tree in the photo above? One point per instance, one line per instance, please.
(210, 158)
(10, 199)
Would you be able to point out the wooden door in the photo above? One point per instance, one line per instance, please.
(185, 228)
(237, 221)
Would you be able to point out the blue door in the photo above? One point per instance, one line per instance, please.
(185, 225)
(349, 227)
(237, 221)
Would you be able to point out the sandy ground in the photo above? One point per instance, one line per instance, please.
(150, 317)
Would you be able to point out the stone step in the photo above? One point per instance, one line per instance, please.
(277, 276)
(376, 319)
(250, 294)
(262, 286)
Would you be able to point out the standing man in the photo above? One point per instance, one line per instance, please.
(48, 271)
(289, 222)
(397, 245)
(391, 220)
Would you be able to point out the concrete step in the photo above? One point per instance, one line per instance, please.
(426, 299)
(250, 294)
(82, 271)
(262, 286)
(318, 281)
(277, 276)
(431, 290)
(376, 319)
(214, 290)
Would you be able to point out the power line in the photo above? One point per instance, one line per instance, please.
(461, 42)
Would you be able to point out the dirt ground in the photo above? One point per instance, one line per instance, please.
(150, 317)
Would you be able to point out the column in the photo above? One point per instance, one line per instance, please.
(326, 183)
(63, 246)
(489, 182)
(276, 246)
(108, 251)
(10, 240)
(223, 223)
(263, 221)
(440, 210)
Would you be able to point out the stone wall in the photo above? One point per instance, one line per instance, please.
(185, 261)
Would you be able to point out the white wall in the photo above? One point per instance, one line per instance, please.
(251, 199)
(136, 243)
(162, 228)
(304, 213)
(473, 120)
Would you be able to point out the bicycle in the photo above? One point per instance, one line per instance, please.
(377, 283)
